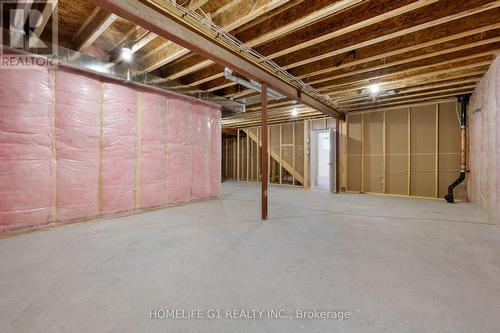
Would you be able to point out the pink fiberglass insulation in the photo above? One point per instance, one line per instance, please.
(119, 147)
(153, 148)
(483, 180)
(26, 165)
(215, 151)
(69, 148)
(201, 145)
(179, 165)
(77, 145)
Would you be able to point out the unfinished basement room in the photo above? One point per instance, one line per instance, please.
(250, 166)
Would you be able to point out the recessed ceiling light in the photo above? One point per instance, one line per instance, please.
(127, 54)
(374, 89)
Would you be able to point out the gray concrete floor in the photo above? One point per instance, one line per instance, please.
(397, 264)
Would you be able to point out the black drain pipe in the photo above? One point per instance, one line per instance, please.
(464, 101)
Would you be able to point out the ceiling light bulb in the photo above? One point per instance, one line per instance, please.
(374, 89)
(295, 113)
(127, 54)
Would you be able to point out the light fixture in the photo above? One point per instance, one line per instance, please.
(374, 89)
(127, 54)
(295, 112)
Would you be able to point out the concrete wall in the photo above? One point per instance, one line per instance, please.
(484, 143)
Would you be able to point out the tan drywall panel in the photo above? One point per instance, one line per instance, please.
(373, 158)
(449, 150)
(423, 151)
(396, 131)
(354, 152)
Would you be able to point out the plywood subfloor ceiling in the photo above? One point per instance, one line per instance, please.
(418, 50)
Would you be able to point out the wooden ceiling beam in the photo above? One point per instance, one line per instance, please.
(230, 18)
(388, 80)
(416, 87)
(378, 73)
(93, 28)
(282, 23)
(283, 115)
(408, 23)
(475, 60)
(413, 100)
(408, 90)
(48, 9)
(446, 53)
(393, 28)
(406, 96)
(168, 22)
(360, 14)
(426, 78)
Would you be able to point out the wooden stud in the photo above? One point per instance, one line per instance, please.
(268, 148)
(93, 28)
(409, 151)
(437, 151)
(101, 146)
(238, 156)
(293, 153)
(235, 158)
(384, 153)
(247, 155)
(337, 156)
(347, 151)
(362, 152)
(264, 158)
(138, 120)
(53, 208)
(258, 152)
(307, 145)
(281, 155)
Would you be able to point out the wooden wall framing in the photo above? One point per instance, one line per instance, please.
(412, 151)
(285, 149)
(288, 150)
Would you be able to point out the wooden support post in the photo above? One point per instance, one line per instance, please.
(362, 152)
(293, 154)
(268, 151)
(234, 158)
(409, 151)
(238, 157)
(306, 153)
(384, 153)
(347, 152)
(226, 172)
(252, 151)
(248, 154)
(264, 156)
(437, 151)
(337, 155)
(281, 154)
(258, 153)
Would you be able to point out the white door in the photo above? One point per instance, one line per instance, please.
(320, 160)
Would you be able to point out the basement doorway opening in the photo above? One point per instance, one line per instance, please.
(323, 160)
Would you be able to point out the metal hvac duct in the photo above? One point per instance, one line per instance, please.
(250, 84)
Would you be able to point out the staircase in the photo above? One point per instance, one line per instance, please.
(298, 177)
